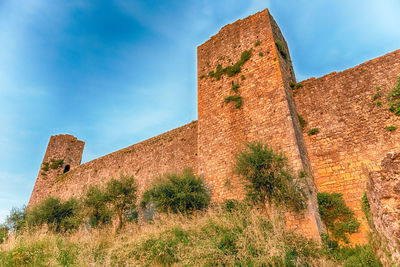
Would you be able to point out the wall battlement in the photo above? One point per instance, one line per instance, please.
(248, 63)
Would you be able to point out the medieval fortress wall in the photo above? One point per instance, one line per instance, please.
(352, 128)
(352, 138)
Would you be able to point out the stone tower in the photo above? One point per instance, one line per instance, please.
(63, 153)
(261, 107)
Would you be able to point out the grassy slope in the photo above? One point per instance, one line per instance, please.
(243, 237)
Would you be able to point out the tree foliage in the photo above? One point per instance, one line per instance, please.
(16, 220)
(96, 208)
(121, 194)
(59, 215)
(118, 198)
(269, 177)
(175, 193)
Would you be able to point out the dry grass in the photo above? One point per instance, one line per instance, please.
(243, 237)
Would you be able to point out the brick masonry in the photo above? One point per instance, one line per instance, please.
(351, 127)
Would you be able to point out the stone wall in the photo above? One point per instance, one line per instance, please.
(383, 191)
(265, 114)
(169, 152)
(352, 127)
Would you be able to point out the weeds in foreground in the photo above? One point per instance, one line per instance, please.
(234, 234)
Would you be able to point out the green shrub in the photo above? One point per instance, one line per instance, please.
(269, 176)
(175, 193)
(233, 69)
(243, 77)
(59, 216)
(394, 99)
(234, 98)
(235, 87)
(337, 216)
(378, 103)
(95, 202)
(261, 54)
(280, 48)
(3, 233)
(17, 219)
(391, 128)
(313, 131)
(302, 121)
(202, 76)
(121, 194)
(55, 164)
(258, 43)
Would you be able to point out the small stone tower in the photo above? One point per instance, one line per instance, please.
(244, 98)
(63, 153)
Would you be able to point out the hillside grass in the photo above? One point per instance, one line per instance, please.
(231, 235)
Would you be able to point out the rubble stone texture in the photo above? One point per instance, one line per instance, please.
(351, 127)
(384, 199)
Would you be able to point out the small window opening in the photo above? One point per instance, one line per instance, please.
(66, 169)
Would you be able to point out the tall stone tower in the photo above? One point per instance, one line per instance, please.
(63, 153)
(249, 101)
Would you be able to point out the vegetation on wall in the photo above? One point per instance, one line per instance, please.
(55, 164)
(269, 177)
(257, 43)
(46, 166)
(376, 96)
(303, 122)
(394, 98)
(337, 216)
(235, 87)
(391, 128)
(235, 98)
(233, 69)
(366, 207)
(295, 86)
(313, 131)
(177, 193)
(280, 48)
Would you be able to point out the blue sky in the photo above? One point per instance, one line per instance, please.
(114, 73)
